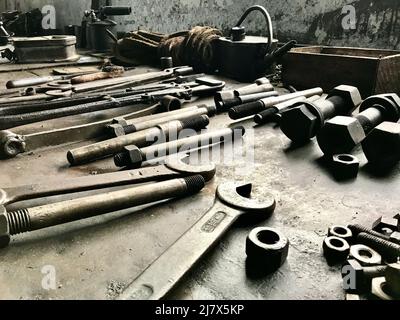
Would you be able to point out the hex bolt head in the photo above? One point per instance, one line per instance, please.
(340, 135)
(383, 223)
(131, 156)
(382, 145)
(5, 236)
(351, 96)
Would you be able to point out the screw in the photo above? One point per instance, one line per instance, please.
(357, 229)
(387, 249)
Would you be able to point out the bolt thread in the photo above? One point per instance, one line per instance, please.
(122, 159)
(386, 248)
(246, 110)
(374, 272)
(194, 183)
(356, 229)
(130, 128)
(212, 110)
(196, 123)
(265, 116)
(19, 221)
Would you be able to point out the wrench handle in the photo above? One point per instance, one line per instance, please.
(165, 272)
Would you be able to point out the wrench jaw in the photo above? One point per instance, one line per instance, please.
(11, 144)
(238, 196)
(5, 236)
(207, 171)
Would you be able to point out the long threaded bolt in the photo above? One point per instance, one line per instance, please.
(356, 229)
(45, 216)
(387, 249)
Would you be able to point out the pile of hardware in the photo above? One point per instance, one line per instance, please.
(370, 256)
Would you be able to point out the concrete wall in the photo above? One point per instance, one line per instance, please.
(308, 21)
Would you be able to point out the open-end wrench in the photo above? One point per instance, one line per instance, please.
(232, 201)
(174, 167)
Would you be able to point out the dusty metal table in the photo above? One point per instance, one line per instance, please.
(97, 257)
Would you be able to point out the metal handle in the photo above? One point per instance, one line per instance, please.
(267, 18)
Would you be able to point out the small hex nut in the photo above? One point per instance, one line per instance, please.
(345, 166)
(134, 154)
(115, 130)
(336, 250)
(382, 145)
(350, 94)
(340, 232)
(268, 246)
(365, 255)
(4, 228)
(340, 135)
(383, 224)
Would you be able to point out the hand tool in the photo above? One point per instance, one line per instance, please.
(252, 108)
(181, 91)
(382, 145)
(232, 201)
(40, 217)
(122, 126)
(133, 157)
(12, 143)
(174, 168)
(142, 138)
(268, 115)
(342, 134)
(302, 123)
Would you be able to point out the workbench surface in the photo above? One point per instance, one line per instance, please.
(97, 257)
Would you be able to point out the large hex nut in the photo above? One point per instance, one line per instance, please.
(340, 232)
(350, 94)
(340, 135)
(365, 255)
(11, 144)
(335, 250)
(382, 145)
(380, 289)
(345, 166)
(388, 104)
(268, 246)
(385, 225)
(4, 228)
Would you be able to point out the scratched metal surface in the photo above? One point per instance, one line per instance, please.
(95, 258)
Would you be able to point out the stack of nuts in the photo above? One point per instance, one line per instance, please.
(370, 258)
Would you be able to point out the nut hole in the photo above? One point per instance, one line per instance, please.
(268, 237)
(365, 254)
(345, 158)
(337, 243)
(340, 231)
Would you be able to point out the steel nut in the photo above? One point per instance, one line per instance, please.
(392, 277)
(267, 246)
(340, 232)
(4, 228)
(385, 225)
(365, 255)
(380, 289)
(345, 166)
(350, 94)
(336, 250)
(115, 130)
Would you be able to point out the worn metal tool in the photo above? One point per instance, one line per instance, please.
(342, 134)
(40, 217)
(252, 108)
(181, 91)
(269, 114)
(232, 201)
(122, 126)
(174, 167)
(13, 143)
(134, 157)
(143, 138)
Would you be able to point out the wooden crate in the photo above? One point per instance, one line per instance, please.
(373, 71)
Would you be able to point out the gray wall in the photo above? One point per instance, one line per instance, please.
(308, 21)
